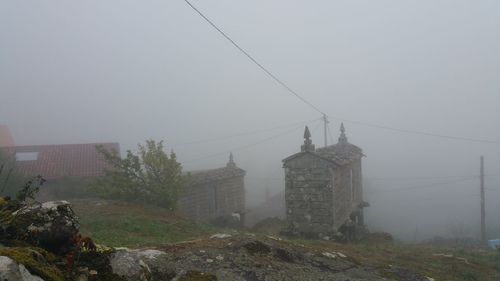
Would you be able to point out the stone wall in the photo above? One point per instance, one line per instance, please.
(309, 197)
(347, 192)
(357, 181)
(323, 187)
(342, 195)
(208, 200)
(320, 196)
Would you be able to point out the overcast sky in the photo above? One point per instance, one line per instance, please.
(124, 71)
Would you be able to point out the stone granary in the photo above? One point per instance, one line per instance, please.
(323, 188)
(214, 193)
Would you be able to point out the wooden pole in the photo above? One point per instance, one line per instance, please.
(483, 211)
(325, 128)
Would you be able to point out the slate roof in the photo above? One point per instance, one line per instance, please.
(53, 161)
(213, 175)
(341, 152)
(330, 159)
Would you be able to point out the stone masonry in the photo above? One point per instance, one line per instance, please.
(214, 193)
(323, 187)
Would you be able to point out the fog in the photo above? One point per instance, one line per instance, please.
(125, 71)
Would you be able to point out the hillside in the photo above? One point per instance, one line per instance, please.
(120, 224)
(248, 256)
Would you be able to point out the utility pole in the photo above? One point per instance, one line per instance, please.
(325, 127)
(483, 211)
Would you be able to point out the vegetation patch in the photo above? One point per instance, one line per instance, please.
(271, 226)
(284, 255)
(198, 276)
(36, 260)
(120, 224)
(99, 262)
(257, 247)
(150, 176)
(438, 263)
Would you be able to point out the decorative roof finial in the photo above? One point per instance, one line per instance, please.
(308, 146)
(307, 134)
(342, 138)
(231, 161)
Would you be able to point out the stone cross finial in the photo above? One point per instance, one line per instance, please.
(343, 137)
(308, 146)
(231, 161)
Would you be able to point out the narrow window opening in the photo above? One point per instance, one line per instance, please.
(351, 184)
(213, 199)
(26, 156)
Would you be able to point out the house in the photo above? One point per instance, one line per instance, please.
(214, 193)
(323, 187)
(60, 160)
(67, 167)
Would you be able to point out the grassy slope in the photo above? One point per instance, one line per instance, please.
(121, 224)
(477, 265)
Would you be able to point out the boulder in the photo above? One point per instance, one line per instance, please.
(159, 263)
(150, 265)
(129, 265)
(12, 271)
(50, 225)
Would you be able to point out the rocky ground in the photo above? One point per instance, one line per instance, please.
(41, 242)
(248, 257)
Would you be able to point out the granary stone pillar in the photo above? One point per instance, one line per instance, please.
(361, 218)
(308, 145)
(230, 163)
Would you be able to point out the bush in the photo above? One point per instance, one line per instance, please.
(150, 176)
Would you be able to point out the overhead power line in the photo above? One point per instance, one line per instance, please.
(414, 131)
(467, 177)
(245, 133)
(296, 94)
(247, 145)
(268, 72)
(420, 178)
(376, 190)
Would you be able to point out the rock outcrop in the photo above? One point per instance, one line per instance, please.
(40, 242)
(50, 225)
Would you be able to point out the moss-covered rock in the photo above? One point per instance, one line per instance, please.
(50, 225)
(98, 262)
(38, 261)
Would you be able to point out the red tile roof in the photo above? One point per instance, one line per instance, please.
(53, 161)
(5, 136)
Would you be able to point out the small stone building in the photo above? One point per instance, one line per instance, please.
(214, 193)
(323, 187)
